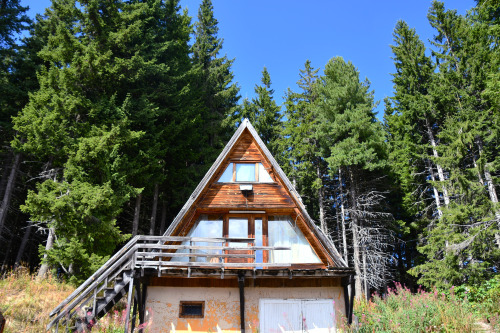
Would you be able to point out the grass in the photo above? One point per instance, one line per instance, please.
(26, 303)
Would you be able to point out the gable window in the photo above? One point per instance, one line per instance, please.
(190, 309)
(284, 232)
(245, 173)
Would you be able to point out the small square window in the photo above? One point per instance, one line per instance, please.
(191, 309)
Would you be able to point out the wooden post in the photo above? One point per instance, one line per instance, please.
(351, 303)
(241, 283)
(142, 304)
(129, 302)
(136, 302)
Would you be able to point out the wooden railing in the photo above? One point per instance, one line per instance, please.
(160, 254)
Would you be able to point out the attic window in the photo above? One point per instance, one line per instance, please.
(190, 309)
(245, 173)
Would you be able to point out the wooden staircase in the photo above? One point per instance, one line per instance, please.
(155, 255)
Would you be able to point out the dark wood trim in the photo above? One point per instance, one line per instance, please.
(241, 285)
(142, 313)
(351, 303)
(135, 306)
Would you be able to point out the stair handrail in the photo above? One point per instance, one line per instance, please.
(124, 254)
(96, 278)
(130, 245)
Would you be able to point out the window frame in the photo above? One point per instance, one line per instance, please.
(256, 170)
(182, 303)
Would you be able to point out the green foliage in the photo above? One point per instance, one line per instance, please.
(462, 246)
(349, 134)
(301, 149)
(401, 311)
(264, 114)
(215, 91)
(483, 299)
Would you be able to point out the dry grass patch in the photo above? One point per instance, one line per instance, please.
(27, 302)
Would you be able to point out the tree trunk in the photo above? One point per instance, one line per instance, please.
(491, 191)
(8, 190)
(153, 213)
(5, 174)
(479, 177)
(342, 214)
(22, 247)
(434, 189)
(355, 239)
(446, 197)
(365, 276)
(163, 217)
(44, 268)
(321, 203)
(5, 263)
(135, 223)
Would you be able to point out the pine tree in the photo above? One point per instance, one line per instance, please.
(217, 92)
(412, 123)
(83, 124)
(16, 81)
(265, 115)
(352, 141)
(460, 247)
(306, 167)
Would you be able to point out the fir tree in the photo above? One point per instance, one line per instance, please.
(264, 114)
(306, 166)
(217, 93)
(460, 247)
(352, 141)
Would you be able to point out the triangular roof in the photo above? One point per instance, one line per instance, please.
(325, 242)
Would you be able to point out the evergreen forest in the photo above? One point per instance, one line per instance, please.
(111, 112)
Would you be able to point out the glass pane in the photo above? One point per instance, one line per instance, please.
(263, 175)
(245, 172)
(227, 176)
(282, 232)
(207, 226)
(238, 227)
(258, 240)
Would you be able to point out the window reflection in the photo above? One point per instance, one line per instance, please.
(207, 226)
(282, 232)
(245, 172)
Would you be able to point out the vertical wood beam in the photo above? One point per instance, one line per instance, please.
(241, 284)
(136, 302)
(129, 302)
(351, 303)
(142, 308)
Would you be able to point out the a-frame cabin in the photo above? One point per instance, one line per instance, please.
(242, 255)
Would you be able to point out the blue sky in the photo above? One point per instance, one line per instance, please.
(283, 34)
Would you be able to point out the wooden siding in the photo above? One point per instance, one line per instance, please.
(263, 196)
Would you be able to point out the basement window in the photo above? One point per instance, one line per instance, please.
(191, 309)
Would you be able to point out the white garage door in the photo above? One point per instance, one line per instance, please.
(296, 315)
